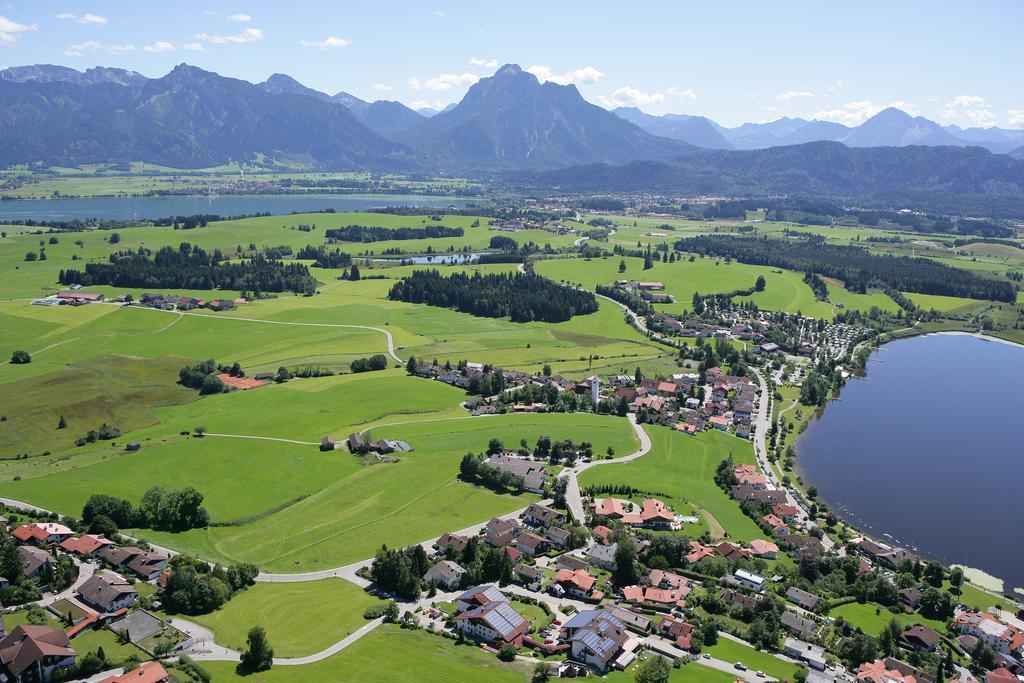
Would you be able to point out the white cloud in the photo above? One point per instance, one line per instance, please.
(196, 47)
(423, 104)
(586, 74)
(856, 113)
(159, 46)
(1016, 118)
(968, 110)
(11, 30)
(382, 87)
(443, 81)
(793, 94)
(479, 61)
(249, 35)
(328, 43)
(241, 18)
(90, 19)
(687, 94)
(631, 97)
(90, 46)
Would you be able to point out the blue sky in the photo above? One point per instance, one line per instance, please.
(732, 61)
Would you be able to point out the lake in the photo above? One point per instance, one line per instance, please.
(125, 208)
(924, 452)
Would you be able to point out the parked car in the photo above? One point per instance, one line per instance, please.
(741, 666)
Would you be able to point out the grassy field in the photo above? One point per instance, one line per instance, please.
(684, 468)
(397, 503)
(731, 651)
(873, 619)
(390, 654)
(690, 673)
(300, 618)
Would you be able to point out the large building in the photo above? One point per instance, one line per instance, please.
(34, 653)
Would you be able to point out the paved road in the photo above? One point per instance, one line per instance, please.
(85, 572)
(387, 335)
(573, 496)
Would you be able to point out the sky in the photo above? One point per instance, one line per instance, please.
(732, 61)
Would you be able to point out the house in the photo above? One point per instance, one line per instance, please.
(500, 532)
(602, 532)
(660, 578)
(477, 596)
(603, 556)
(532, 473)
(786, 512)
(754, 582)
(218, 305)
(530, 543)
(541, 515)
(445, 573)
(744, 601)
(558, 536)
(600, 640)
(765, 549)
(357, 443)
(34, 560)
(719, 422)
(814, 655)
(1003, 639)
(147, 566)
(566, 561)
(107, 592)
(743, 492)
(809, 601)
(528, 575)
(1000, 675)
(494, 622)
(698, 552)
(609, 507)
(42, 533)
(921, 638)
(631, 619)
(147, 672)
(678, 631)
(86, 544)
(578, 583)
(513, 554)
(452, 541)
(775, 524)
(732, 551)
(118, 557)
(910, 598)
(798, 625)
(34, 653)
(878, 672)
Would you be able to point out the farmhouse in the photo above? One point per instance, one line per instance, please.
(34, 653)
(532, 473)
(107, 592)
(495, 622)
(600, 640)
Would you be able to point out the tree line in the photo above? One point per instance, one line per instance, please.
(522, 297)
(323, 258)
(855, 266)
(160, 509)
(191, 267)
(364, 233)
(194, 587)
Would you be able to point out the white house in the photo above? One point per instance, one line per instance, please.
(754, 582)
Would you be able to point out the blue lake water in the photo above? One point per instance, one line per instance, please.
(924, 452)
(125, 208)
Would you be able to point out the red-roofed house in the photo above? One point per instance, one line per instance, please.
(765, 549)
(698, 553)
(86, 544)
(609, 507)
(148, 672)
(678, 631)
(42, 533)
(877, 672)
(579, 583)
(602, 532)
(774, 522)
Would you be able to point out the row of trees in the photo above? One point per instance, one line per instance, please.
(522, 297)
(377, 361)
(191, 267)
(324, 258)
(363, 233)
(194, 587)
(855, 266)
(160, 508)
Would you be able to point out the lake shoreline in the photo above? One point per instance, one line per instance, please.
(854, 521)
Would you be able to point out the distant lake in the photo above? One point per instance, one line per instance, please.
(124, 208)
(925, 451)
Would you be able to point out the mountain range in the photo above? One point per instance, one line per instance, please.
(888, 128)
(508, 127)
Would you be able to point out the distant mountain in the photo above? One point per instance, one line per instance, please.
(998, 140)
(282, 84)
(187, 119)
(512, 121)
(784, 131)
(896, 128)
(1017, 153)
(50, 73)
(430, 111)
(695, 130)
(944, 179)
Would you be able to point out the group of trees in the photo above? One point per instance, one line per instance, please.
(20, 357)
(483, 563)
(201, 376)
(105, 432)
(160, 508)
(191, 267)
(856, 267)
(400, 571)
(194, 587)
(817, 285)
(377, 361)
(363, 233)
(324, 258)
(522, 297)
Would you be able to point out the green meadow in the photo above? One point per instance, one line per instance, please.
(390, 653)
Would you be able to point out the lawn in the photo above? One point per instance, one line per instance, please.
(397, 503)
(300, 618)
(692, 672)
(91, 640)
(731, 651)
(539, 619)
(684, 468)
(873, 618)
(390, 654)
